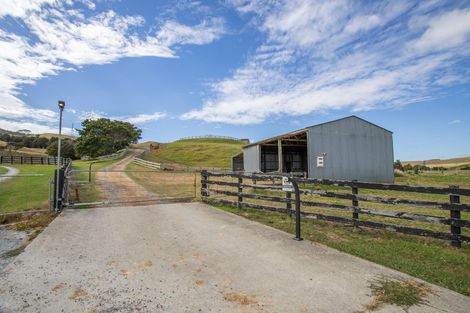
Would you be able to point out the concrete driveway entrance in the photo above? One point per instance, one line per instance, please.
(188, 258)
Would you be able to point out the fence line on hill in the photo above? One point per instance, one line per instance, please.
(210, 137)
(267, 188)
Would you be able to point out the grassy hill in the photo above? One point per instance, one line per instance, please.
(201, 152)
(449, 163)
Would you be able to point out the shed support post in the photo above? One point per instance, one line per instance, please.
(279, 155)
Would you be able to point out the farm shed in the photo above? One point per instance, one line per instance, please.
(350, 148)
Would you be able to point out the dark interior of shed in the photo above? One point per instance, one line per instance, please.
(293, 149)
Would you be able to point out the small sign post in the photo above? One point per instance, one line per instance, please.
(286, 184)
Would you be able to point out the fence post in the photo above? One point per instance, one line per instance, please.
(298, 234)
(455, 216)
(240, 191)
(204, 177)
(50, 195)
(21, 159)
(355, 204)
(1, 159)
(289, 203)
(60, 185)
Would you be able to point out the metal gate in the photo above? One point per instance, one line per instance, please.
(131, 187)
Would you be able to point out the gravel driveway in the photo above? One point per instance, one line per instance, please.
(188, 258)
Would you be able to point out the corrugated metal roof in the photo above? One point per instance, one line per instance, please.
(295, 132)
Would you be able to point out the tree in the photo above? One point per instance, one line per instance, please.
(67, 149)
(397, 165)
(104, 136)
(408, 167)
(41, 142)
(27, 141)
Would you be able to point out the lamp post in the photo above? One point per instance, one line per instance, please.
(57, 198)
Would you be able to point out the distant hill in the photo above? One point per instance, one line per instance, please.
(50, 135)
(448, 163)
(200, 152)
(145, 144)
(32, 151)
(4, 131)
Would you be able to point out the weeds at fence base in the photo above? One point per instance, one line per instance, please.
(14, 252)
(35, 222)
(32, 224)
(429, 259)
(404, 294)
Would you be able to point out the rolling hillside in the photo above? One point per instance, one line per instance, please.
(449, 163)
(202, 152)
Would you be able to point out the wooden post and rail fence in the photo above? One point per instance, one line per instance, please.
(234, 189)
(34, 160)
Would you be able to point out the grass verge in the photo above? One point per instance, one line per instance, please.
(3, 170)
(165, 184)
(26, 193)
(429, 259)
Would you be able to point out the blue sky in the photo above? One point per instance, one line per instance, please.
(247, 69)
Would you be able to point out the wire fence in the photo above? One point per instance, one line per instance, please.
(22, 192)
(131, 186)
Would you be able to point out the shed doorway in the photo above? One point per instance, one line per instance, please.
(286, 154)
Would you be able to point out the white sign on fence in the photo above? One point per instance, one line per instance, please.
(286, 184)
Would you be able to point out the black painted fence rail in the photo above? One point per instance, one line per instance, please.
(272, 183)
(34, 160)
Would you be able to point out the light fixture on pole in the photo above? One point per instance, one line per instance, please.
(58, 197)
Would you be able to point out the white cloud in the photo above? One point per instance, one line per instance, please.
(20, 8)
(143, 118)
(448, 30)
(134, 119)
(91, 115)
(455, 122)
(172, 32)
(58, 37)
(320, 56)
(35, 128)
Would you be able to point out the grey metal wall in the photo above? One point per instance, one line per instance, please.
(251, 159)
(353, 150)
